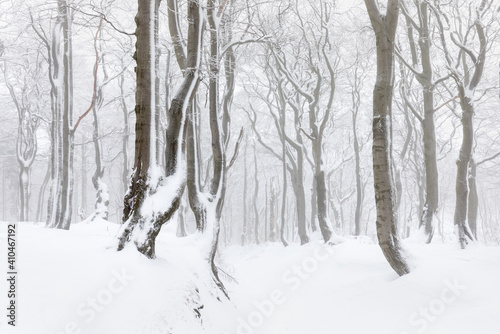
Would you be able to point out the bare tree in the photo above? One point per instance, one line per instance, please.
(385, 27)
(467, 72)
(62, 130)
(422, 68)
(292, 153)
(148, 185)
(26, 99)
(310, 88)
(356, 83)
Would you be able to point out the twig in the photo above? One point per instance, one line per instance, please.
(103, 17)
(452, 99)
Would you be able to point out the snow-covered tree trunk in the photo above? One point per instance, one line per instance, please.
(207, 205)
(101, 188)
(152, 198)
(67, 126)
(62, 135)
(384, 27)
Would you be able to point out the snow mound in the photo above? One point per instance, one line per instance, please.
(75, 282)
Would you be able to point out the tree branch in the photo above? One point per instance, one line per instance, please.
(96, 67)
(488, 159)
(236, 149)
(442, 105)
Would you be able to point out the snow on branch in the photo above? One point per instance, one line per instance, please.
(244, 41)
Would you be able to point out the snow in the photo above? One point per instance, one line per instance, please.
(75, 282)
(166, 192)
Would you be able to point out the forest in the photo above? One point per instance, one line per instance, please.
(251, 166)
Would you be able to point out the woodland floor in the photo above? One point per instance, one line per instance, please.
(74, 282)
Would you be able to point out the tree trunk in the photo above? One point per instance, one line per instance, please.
(102, 195)
(283, 198)
(62, 135)
(321, 198)
(207, 206)
(314, 207)
(41, 195)
(255, 196)
(464, 159)
(385, 30)
(473, 199)
(24, 193)
(126, 134)
(181, 228)
(272, 214)
(82, 209)
(425, 78)
(359, 188)
(467, 85)
(244, 230)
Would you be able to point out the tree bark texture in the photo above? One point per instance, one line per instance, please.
(385, 29)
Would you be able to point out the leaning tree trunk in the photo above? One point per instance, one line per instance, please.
(385, 30)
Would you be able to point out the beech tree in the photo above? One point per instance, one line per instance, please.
(385, 27)
(357, 79)
(26, 95)
(154, 196)
(318, 68)
(278, 102)
(467, 71)
(422, 67)
(59, 54)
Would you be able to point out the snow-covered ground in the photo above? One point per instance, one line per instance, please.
(74, 282)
